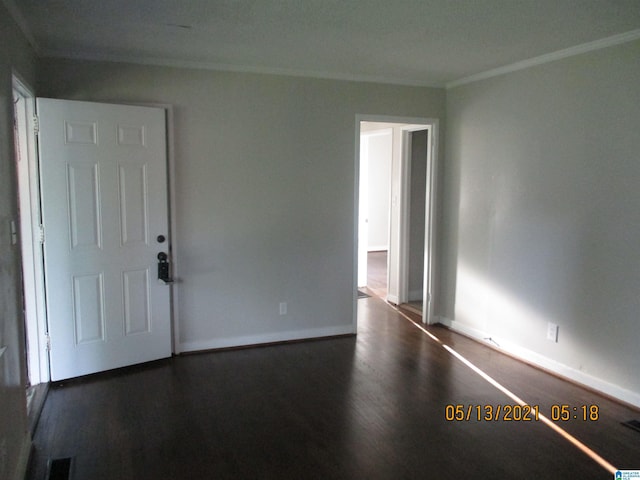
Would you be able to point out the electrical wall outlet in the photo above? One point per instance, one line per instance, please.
(283, 308)
(552, 332)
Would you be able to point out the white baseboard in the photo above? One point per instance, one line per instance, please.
(546, 363)
(464, 329)
(228, 342)
(23, 458)
(378, 248)
(393, 299)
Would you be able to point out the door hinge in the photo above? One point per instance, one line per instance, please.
(41, 234)
(36, 124)
(48, 345)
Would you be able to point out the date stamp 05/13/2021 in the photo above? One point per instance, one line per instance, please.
(519, 413)
(529, 413)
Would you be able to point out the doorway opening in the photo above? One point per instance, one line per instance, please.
(376, 153)
(396, 265)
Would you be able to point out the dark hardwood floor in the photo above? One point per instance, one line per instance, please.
(377, 267)
(377, 274)
(365, 407)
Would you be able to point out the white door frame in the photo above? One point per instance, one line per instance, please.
(30, 237)
(411, 124)
(363, 208)
(405, 213)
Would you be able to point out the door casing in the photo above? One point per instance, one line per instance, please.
(30, 238)
(401, 237)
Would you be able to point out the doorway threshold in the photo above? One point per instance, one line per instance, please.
(414, 307)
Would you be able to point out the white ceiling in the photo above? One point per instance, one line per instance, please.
(416, 42)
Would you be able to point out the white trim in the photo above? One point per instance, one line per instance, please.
(404, 208)
(405, 121)
(243, 341)
(408, 124)
(464, 329)
(546, 363)
(226, 67)
(31, 250)
(23, 458)
(430, 221)
(22, 23)
(549, 57)
(378, 248)
(431, 225)
(393, 299)
(356, 228)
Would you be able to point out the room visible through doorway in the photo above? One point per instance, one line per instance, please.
(376, 156)
(395, 231)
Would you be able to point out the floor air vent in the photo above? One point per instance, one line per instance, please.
(59, 469)
(635, 424)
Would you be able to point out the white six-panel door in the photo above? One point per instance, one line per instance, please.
(104, 194)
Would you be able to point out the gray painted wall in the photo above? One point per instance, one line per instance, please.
(14, 437)
(541, 219)
(380, 155)
(265, 190)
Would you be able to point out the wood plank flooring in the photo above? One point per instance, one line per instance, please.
(365, 407)
(377, 273)
(377, 279)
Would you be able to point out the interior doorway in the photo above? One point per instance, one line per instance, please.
(409, 250)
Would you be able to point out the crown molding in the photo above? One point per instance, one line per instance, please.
(224, 67)
(549, 57)
(19, 19)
